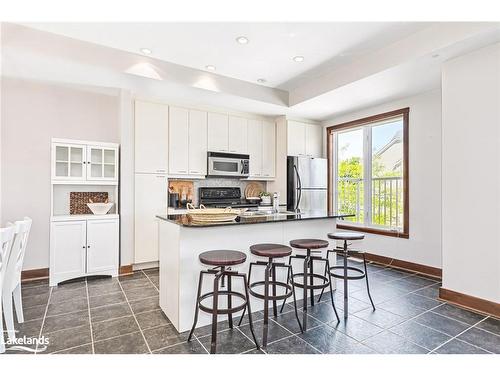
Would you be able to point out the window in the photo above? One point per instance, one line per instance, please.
(368, 173)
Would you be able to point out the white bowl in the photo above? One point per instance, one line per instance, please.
(100, 208)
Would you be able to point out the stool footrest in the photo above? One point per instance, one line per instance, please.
(325, 280)
(361, 273)
(222, 311)
(270, 297)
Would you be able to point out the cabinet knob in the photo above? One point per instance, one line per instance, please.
(83, 247)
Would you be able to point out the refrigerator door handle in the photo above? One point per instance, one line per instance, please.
(299, 188)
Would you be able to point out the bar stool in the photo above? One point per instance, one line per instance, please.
(271, 252)
(221, 260)
(358, 273)
(308, 275)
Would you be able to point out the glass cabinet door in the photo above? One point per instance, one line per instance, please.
(69, 162)
(102, 163)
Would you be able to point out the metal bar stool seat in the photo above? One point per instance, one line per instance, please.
(271, 252)
(221, 260)
(356, 273)
(308, 276)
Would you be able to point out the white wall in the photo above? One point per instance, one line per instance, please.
(33, 113)
(471, 170)
(424, 244)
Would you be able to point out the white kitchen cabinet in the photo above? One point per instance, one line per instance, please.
(304, 139)
(237, 135)
(68, 247)
(314, 140)
(102, 237)
(218, 136)
(151, 137)
(178, 141)
(69, 162)
(254, 136)
(296, 138)
(150, 200)
(102, 163)
(268, 149)
(83, 247)
(197, 142)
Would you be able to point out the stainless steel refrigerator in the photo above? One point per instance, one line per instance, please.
(307, 184)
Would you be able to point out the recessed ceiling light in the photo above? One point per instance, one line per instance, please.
(146, 51)
(242, 40)
(261, 80)
(298, 58)
(211, 68)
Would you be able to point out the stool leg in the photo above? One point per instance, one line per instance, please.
(311, 280)
(196, 309)
(346, 293)
(266, 305)
(290, 279)
(294, 300)
(245, 309)
(229, 302)
(273, 275)
(304, 300)
(327, 270)
(367, 286)
(249, 311)
(327, 266)
(213, 344)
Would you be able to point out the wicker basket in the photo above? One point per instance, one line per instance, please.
(211, 215)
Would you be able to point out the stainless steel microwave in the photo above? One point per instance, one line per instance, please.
(228, 165)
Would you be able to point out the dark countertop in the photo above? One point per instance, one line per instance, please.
(185, 221)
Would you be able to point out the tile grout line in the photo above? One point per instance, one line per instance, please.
(90, 316)
(43, 321)
(147, 277)
(456, 336)
(135, 318)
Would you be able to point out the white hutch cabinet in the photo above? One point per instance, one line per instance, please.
(83, 245)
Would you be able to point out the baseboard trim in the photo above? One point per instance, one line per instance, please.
(433, 272)
(35, 274)
(470, 302)
(126, 270)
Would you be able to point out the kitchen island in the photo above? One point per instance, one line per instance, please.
(181, 241)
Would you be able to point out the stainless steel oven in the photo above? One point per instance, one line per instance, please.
(228, 165)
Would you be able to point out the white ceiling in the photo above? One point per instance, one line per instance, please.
(268, 55)
(348, 66)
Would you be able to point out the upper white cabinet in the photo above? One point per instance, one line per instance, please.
(237, 135)
(218, 132)
(69, 162)
(314, 140)
(178, 141)
(187, 142)
(151, 137)
(254, 133)
(268, 149)
(102, 163)
(262, 149)
(296, 138)
(81, 162)
(197, 142)
(304, 139)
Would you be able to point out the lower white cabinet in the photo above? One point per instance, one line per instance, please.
(83, 247)
(150, 200)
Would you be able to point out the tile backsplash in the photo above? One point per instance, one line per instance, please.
(220, 182)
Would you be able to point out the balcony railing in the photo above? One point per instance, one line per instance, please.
(386, 200)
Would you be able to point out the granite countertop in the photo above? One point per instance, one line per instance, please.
(185, 221)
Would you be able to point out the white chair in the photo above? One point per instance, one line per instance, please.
(6, 237)
(12, 281)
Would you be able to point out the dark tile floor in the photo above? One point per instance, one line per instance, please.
(122, 315)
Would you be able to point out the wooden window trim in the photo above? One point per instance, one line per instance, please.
(406, 185)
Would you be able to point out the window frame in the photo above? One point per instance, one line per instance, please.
(331, 147)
